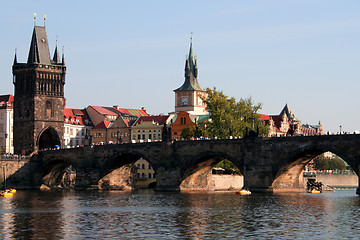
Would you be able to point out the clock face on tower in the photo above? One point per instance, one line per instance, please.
(184, 100)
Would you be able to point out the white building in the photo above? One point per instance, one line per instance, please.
(77, 127)
(6, 123)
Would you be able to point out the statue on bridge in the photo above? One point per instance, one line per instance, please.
(166, 133)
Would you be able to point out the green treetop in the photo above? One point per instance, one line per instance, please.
(229, 117)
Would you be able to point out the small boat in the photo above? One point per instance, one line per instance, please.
(6, 194)
(12, 190)
(243, 192)
(313, 191)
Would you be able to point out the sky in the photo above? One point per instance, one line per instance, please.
(304, 53)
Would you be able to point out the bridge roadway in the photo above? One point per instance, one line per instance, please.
(268, 164)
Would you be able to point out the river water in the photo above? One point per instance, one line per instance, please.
(172, 215)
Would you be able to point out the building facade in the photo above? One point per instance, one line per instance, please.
(146, 176)
(77, 126)
(287, 124)
(148, 128)
(39, 97)
(112, 124)
(6, 123)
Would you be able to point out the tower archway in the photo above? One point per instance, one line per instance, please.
(48, 139)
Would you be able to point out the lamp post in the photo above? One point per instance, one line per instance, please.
(340, 129)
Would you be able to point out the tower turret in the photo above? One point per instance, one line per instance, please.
(187, 97)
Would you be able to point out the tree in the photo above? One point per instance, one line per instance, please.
(188, 132)
(229, 117)
(323, 163)
(228, 166)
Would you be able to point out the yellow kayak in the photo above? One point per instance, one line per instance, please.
(243, 192)
(12, 190)
(314, 191)
(6, 194)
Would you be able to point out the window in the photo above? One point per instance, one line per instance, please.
(149, 166)
(149, 175)
(149, 136)
(48, 108)
(142, 166)
(139, 137)
(143, 175)
(143, 136)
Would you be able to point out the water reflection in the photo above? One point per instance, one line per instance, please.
(141, 214)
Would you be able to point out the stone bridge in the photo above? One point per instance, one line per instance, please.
(268, 164)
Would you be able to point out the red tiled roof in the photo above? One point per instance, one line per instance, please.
(264, 117)
(102, 125)
(76, 116)
(119, 111)
(8, 100)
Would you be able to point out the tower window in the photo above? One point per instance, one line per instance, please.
(48, 110)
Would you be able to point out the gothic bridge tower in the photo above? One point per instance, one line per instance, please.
(187, 97)
(39, 97)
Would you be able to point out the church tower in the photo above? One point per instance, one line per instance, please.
(187, 97)
(39, 97)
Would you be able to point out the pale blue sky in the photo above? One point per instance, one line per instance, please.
(132, 53)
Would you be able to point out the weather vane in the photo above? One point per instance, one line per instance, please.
(191, 36)
(44, 20)
(34, 19)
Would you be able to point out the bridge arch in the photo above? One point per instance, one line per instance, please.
(48, 138)
(58, 174)
(119, 172)
(288, 174)
(197, 173)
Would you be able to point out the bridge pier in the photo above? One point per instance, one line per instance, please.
(168, 179)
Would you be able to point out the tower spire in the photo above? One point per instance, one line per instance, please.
(63, 56)
(15, 57)
(34, 19)
(56, 57)
(39, 48)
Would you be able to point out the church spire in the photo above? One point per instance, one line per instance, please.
(191, 72)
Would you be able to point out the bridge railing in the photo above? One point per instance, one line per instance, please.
(9, 157)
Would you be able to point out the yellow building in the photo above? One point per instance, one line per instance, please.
(146, 177)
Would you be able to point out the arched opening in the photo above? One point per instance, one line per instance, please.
(48, 139)
(127, 172)
(300, 172)
(213, 173)
(59, 174)
(330, 172)
(145, 175)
